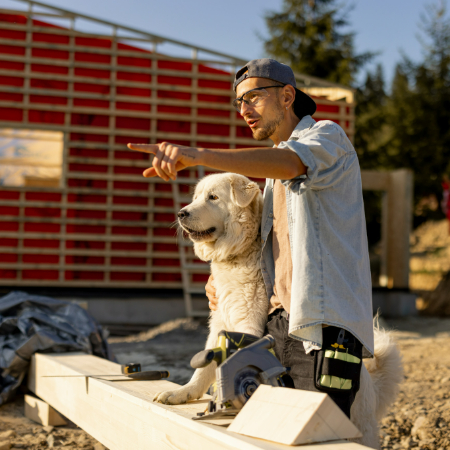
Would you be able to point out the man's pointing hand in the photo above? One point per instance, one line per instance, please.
(168, 160)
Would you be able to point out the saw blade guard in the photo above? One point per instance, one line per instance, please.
(240, 375)
(246, 381)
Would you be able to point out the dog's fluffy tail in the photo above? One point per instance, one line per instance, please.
(385, 369)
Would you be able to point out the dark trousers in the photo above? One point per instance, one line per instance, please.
(291, 353)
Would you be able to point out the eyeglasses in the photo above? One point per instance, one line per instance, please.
(252, 97)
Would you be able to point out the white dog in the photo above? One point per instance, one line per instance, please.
(223, 222)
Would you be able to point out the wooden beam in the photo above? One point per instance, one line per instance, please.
(193, 117)
(373, 180)
(293, 417)
(142, 134)
(122, 415)
(131, 284)
(41, 412)
(399, 218)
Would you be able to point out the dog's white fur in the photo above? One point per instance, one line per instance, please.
(223, 222)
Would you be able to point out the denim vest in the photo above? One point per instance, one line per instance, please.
(331, 281)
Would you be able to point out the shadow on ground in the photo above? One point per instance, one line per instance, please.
(167, 347)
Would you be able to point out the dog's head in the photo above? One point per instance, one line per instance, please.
(224, 217)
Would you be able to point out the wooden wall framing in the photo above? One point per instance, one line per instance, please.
(396, 223)
(106, 226)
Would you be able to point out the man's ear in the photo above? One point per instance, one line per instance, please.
(243, 192)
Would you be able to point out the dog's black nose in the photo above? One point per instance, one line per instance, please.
(182, 214)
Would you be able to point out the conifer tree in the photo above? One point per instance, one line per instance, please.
(372, 128)
(308, 35)
(419, 108)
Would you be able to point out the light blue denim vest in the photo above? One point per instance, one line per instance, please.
(331, 282)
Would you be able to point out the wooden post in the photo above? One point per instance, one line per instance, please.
(399, 212)
(383, 277)
(397, 187)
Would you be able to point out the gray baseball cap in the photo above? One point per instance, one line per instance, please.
(304, 105)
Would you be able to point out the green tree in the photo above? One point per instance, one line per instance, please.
(372, 131)
(372, 127)
(418, 110)
(309, 36)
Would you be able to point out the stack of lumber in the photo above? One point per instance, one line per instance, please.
(121, 414)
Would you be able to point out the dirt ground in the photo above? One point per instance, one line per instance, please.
(419, 419)
(430, 255)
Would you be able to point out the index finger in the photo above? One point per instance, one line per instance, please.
(145, 148)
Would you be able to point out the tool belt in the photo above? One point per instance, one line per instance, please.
(337, 366)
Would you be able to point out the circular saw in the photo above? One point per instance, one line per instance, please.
(244, 362)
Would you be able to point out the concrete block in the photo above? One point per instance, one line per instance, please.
(394, 303)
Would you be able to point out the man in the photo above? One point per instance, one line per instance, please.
(314, 260)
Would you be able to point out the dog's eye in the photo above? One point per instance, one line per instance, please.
(213, 197)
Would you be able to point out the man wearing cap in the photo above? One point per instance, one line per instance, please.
(314, 259)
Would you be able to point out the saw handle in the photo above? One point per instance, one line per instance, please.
(202, 359)
(150, 375)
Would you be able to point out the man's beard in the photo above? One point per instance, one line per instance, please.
(261, 134)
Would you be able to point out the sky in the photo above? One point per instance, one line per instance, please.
(237, 27)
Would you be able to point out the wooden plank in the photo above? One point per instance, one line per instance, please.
(20, 218)
(20, 233)
(161, 135)
(87, 206)
(125, 98)
(90, 252)
(193, 117)
(193, 268)
(150, 37)
(94, 237)
(140, 70)
(293, 417)
(41, 412)
(100, 191)
(85, 65)
(138, 53)
(132, 284)
(104, 51)
(21, 12)
(121, 39)
(122, 415)
(373, 180)
(106, 81)
(193, 104)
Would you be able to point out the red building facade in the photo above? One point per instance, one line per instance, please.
(101, 224)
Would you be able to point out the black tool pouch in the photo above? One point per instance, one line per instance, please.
(337, 366)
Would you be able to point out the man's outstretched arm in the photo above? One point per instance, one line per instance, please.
(266, 162)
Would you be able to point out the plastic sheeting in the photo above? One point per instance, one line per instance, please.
(34, 323)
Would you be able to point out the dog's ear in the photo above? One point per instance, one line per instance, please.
(243, 192)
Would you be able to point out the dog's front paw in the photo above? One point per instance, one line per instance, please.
(176, 397)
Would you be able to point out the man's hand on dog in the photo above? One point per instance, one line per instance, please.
(211, 294)
(168, 160)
